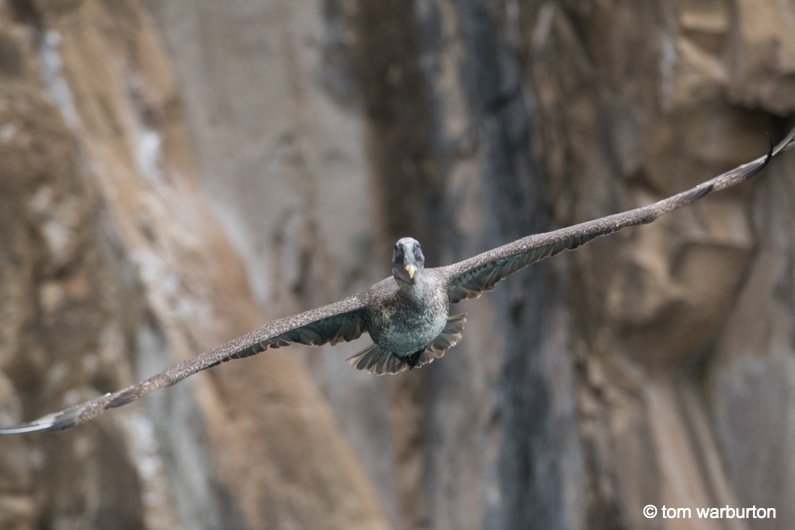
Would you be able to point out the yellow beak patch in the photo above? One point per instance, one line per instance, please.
(412, 270)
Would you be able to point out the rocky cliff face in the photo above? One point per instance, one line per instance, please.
(113, 267)
(655, 366)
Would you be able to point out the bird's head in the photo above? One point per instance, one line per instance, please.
(407, 260)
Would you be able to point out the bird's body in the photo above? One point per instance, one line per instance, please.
(408, 314)
(405, 319)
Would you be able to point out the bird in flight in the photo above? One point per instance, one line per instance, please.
(407, 315)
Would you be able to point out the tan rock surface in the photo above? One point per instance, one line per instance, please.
(116, 268)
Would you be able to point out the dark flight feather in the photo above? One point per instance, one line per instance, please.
(340, 321)
(471, 277)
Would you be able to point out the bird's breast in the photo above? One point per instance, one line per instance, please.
(407, 321)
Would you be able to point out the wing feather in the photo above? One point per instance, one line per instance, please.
(471, 277)
(341, 321)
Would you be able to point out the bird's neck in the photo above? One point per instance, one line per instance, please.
(419, 288)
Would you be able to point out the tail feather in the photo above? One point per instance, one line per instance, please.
(379, 362)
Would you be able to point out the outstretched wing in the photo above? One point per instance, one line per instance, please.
(341, 321)
(470, 277)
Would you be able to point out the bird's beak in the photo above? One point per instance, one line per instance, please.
(411, 269)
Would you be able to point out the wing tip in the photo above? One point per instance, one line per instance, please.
(46, 423)
(58, 421)
(784, 145)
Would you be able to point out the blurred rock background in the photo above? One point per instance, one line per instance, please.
(174, 173)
